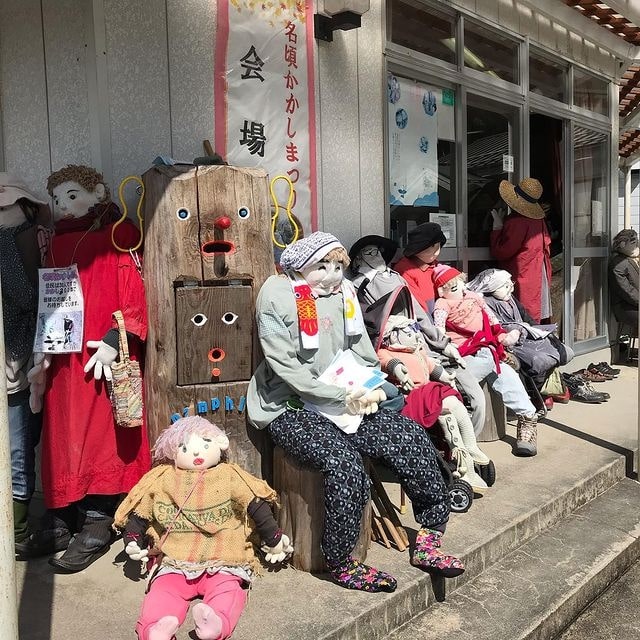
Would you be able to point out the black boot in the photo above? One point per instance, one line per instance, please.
(53, 534)
(92, 541)
(20, 520)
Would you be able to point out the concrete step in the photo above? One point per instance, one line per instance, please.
(504, 526)
(613, 615)
(536, 591)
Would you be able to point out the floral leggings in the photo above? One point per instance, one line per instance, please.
(314, 442)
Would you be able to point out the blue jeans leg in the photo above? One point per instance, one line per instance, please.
(24, 435)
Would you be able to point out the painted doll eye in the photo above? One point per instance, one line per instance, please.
(183, 213)
(199, 319)
(244, 213)
(229, 317)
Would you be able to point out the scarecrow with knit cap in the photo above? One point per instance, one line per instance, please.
(197, 517)
(522, 245)
(19, 262)
(465, 317)
(306, 316)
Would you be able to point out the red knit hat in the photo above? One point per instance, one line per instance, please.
(443, 273)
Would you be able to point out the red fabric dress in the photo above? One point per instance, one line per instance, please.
(83, 451)
(523, 248)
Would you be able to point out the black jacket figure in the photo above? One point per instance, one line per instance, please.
(624, 275)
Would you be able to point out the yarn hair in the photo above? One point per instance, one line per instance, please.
(339, 255)
(179, 432)
(87, 177)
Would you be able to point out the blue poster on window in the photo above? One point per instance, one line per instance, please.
(413, 142)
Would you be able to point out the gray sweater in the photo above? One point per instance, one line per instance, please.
(289, 371)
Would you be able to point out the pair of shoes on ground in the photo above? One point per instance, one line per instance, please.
(81, 549)
(591, 375)
(603, 368)
(582, 391)
(353, 574)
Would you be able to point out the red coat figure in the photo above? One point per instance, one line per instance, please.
(87, 460)
(522, 246)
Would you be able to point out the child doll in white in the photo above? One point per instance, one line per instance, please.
(404, 354)
(474, 328)
(196, 517)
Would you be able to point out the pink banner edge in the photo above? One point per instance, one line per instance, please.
(312, 116)
(219, 78)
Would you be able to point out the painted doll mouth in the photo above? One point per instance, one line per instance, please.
(198, 461)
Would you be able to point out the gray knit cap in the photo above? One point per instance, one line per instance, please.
(308, 251)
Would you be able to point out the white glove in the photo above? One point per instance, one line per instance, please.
(101, 360)
(448, 377)
(352, 401)
(37, 377)
(134, 551)
(363, 403)
(278, 552)
(509, 339)
(401, 374)
(451, 351)
(498, 216)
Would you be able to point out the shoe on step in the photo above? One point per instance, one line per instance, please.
(92, 542)
(427, 555)
(605, 367)
(527, 435)
(353, 574)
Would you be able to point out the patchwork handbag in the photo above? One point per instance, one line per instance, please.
(125, 389)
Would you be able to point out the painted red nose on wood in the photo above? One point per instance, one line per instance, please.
(222, 222)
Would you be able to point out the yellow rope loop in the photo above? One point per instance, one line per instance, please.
(277, 206)
(125, 212)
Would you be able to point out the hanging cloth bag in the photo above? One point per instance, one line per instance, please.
(126, 386)
(554, 384)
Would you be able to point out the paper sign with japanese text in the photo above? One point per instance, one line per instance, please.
(264, 88)
(60, 311)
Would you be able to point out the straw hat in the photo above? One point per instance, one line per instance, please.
(524, 198)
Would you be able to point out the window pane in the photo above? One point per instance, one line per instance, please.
(591, 188)
(490, 137)
(588, 277)
(590, 92)
(546, 77)
(422, 160)
(423, 29)
(490, 53)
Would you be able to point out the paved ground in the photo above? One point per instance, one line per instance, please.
(103, 601)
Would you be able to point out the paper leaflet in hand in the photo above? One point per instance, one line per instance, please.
(344, 371)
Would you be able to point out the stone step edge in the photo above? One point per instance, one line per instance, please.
(414, 597)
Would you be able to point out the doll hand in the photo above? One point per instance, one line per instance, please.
(37, 377)
(371, 401)
(509, 339)
(352, 401)
(451, 351)
(101, 360)
(278, 552)
(448, 377)
(401, 374)
(134, 551)
(498, 216)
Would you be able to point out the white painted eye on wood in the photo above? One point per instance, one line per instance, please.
(199, 319)
(183, 213)
(229, 317)
(244, 213)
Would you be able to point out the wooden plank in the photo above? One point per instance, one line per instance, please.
(232, 192)
(214, 328)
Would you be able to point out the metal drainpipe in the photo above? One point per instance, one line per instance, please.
(8, 595)
(627, 197)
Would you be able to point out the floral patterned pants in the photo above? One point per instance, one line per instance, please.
(314, 442)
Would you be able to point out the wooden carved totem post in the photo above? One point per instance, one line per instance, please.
(207, 252)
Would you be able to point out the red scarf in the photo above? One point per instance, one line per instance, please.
(486, 337)
(97, 217)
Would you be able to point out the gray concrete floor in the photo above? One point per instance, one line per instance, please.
(103, 601)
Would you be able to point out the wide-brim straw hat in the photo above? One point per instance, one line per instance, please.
(523, 198)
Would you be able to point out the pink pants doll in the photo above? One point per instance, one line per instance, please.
(165, 607)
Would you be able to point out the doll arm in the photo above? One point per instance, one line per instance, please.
(440, 315)
(136, 541)
(275, 544)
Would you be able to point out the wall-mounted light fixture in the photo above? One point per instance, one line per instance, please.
(338, 14)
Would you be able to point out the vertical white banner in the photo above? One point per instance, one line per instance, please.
(413, 142)
(264, 95)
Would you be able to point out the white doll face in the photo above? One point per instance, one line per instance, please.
(504, 292)
(453, 290)
(201, 452)
(70, 200)
(11, 216)
(430, 254)
(409, 337)
(371, 257)
(323, 277)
